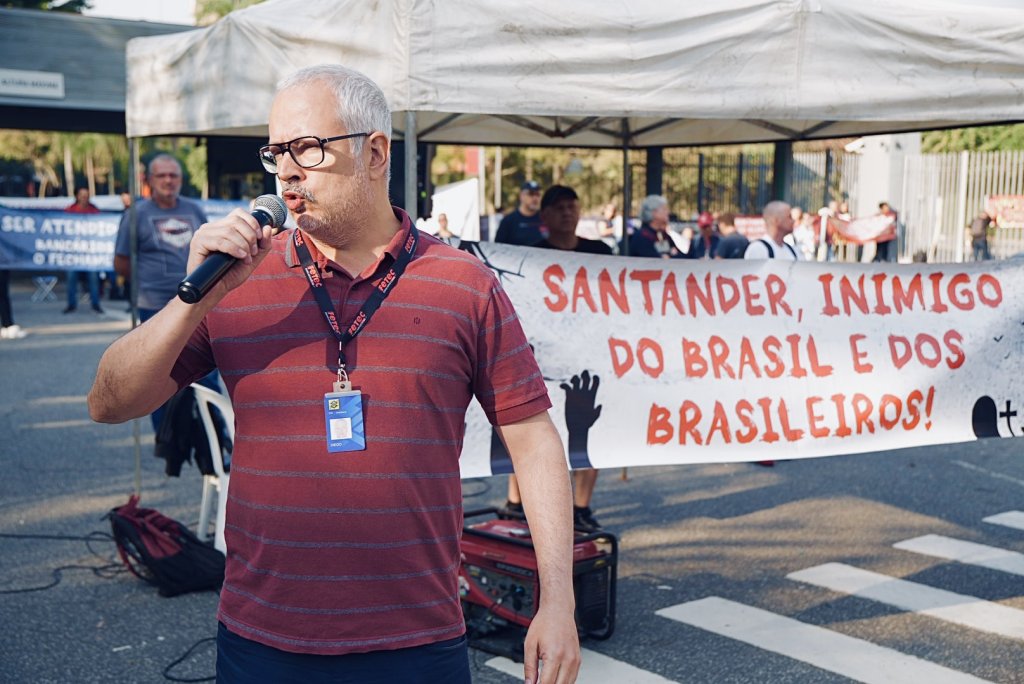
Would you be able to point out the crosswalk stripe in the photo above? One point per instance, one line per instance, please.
(1014, 519)
(595, 668)
(960, 609)
(966, 552)
(844, 655)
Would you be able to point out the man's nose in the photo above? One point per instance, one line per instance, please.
(288, 169)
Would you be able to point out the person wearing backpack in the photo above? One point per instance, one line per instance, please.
(778, 223)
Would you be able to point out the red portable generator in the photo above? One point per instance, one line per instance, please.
(500, 587)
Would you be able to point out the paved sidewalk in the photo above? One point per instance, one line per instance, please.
(62, 473)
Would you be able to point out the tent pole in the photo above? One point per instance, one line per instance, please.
(411, 181)
(627, 187)
(133, 282)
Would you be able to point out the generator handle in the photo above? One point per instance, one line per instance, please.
(597, 535)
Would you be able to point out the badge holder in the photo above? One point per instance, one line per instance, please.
(343, 416)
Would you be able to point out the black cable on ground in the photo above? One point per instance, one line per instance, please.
(193, 647)
(110, 569)
(101, 571)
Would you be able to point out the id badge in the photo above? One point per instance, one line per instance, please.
(343, 415)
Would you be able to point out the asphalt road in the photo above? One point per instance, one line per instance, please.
(706, 590)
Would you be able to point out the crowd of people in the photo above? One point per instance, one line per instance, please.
(550, 221)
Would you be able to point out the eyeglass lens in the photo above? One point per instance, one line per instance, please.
(307, 152)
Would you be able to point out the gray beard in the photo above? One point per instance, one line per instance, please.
(338, 226)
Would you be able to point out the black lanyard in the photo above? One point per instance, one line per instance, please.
(370, 306)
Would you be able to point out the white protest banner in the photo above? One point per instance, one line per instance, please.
(671, 362)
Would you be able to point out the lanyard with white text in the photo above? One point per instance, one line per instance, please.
(370, 306)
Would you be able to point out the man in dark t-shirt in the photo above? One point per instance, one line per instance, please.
(523, 226)
(560, 212)
(733, 244)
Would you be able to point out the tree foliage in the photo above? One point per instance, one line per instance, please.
(61, 161)
(596, 175)
(977, 139)
(209, 11)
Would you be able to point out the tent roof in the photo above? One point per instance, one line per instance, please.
(87, 52)
(580, 73)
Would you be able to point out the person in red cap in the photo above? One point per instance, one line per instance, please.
(704, 244)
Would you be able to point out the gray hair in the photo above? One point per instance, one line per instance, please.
(163, 156)
(650, 205)
(362, 107)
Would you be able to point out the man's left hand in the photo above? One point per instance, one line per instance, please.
(552, 639)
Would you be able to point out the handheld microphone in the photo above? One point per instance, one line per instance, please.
(268, 210)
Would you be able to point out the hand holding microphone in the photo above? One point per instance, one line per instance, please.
(268, 210)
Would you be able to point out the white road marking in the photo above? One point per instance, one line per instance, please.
(965, 552)
(844, 655)
(990, 473)
(1014, 519)
(596, 668)
(968, 611)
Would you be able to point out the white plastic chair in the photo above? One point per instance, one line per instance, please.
(205, 397)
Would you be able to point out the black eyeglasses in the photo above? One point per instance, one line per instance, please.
(307, 151)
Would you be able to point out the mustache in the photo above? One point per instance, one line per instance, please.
(298, 190)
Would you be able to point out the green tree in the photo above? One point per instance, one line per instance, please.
(976, 139)
(209, 11)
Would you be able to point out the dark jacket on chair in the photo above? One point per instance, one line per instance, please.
(181, 435)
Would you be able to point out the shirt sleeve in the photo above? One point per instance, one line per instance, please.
(122, 246)
(196, 359)
(508, 383)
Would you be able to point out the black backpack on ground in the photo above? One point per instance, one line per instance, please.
(163, 552)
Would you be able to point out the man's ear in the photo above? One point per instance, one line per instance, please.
(379, 149)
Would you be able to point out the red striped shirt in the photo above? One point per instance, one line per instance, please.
(356, 551)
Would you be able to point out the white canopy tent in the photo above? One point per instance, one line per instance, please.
(625, 73)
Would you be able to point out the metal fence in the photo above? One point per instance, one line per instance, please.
(695, 180)
(943, 192)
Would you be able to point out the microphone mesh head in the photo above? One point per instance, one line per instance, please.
(273, 205)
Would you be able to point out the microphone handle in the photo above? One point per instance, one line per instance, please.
(199, 282)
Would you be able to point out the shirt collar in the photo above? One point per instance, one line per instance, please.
(291, 259)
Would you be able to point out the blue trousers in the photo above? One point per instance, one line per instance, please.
(94, 288)
(241, 661)
(979, 249)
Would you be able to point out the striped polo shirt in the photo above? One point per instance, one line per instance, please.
(334, 553)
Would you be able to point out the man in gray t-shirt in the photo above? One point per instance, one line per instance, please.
(165, 227)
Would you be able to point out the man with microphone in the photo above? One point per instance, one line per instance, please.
(351, 348)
